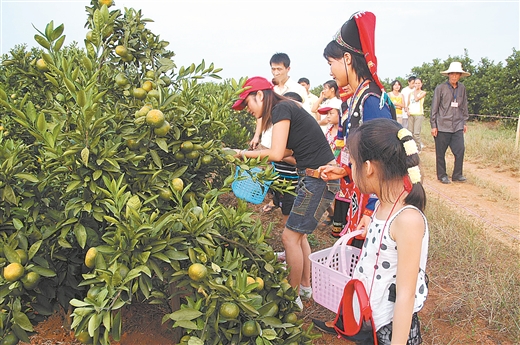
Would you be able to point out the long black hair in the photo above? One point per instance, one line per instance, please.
(377, 141)
(334, 51)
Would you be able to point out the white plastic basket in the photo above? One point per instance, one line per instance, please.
(332, 268)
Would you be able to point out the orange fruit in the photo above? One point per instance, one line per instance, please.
(187, 146)
(189, 196)
(197, 271)
(250, 280)
(10, 339)
(147, 86)
(149, 74)
(106, 2)
(193, 155)
(207, 160)
(179, 156)
(166, 80)
(132, 144)
(229, 310)
(165, 194)
(155, 118)
(90, 257)
(250, 328)
(84, 337)
(13, 272)
(41, 65)
(121, 80)
(154, 94)
(89, 35)
(197, 210)
(163, 130)
(121, 50)
(127, 58)
(260, 282)
(30, 281)
(178, 184)
(139, 93)
(290, 318)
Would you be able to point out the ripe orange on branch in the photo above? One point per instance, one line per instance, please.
(155, 118)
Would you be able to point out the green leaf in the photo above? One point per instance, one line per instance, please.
(20, 333)
(161, 142)
(57, 32)
(17, 223)
(44, 272)
(186, 324)
(78, 303)
(22, 320)
(84, 155)
(9, 195)
(185, 314)
(81, 234)
(59, 43)
(42, 41)
(156, 158)
(34, 249)
(176, 255)
(28, 177)
(41, 124)
(73, 185)
(10, 254)
(3, 95)
(116, 326)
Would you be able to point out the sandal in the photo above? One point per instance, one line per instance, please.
(322, 326)
(328, 221)
(268, 208)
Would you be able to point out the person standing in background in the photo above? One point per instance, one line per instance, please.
(329, 98)
(406, 92)
(448, 118)
(397, 98)
(280, 67)
(416, 112)
(310, 98)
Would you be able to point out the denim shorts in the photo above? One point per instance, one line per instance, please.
(314, 197)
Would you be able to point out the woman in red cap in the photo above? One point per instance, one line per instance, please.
(294, 133)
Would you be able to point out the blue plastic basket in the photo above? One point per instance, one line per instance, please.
(247, 189)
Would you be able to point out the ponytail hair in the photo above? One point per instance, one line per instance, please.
(387, 144)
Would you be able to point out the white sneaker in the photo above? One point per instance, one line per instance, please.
(298, 301)
(280, 256)
(305, 292)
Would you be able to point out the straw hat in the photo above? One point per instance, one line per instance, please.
(455, 67)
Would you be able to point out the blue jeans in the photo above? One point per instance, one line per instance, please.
(314, 197)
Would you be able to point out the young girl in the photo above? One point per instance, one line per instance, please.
(298, 134)
(329, 97)
(397, 99)
(332, 118)
(392, 266)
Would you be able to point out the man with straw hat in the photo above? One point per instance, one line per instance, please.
(448, 118)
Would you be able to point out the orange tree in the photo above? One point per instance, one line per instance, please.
(111, 169)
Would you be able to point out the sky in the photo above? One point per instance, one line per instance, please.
(240, 36)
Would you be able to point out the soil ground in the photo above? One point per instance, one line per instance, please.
(474, 199)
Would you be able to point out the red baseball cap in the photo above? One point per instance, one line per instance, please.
(252, 84)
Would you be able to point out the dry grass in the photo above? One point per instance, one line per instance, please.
(480, 276)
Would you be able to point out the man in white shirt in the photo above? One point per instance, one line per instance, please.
(310, 98)
(280, 67)
(406, 92)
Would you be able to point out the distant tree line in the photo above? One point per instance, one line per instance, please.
(493, 88)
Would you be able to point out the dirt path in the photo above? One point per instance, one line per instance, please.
(490, 196)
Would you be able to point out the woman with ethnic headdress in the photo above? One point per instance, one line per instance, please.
(353, 64)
